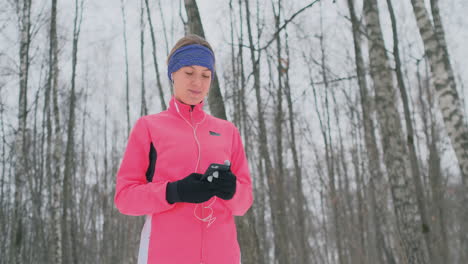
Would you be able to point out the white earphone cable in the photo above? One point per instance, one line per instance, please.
(210, 219)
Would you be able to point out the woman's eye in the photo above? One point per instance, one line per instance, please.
(189, 73)
(206, 76)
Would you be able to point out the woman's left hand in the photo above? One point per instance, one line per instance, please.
(225, 185)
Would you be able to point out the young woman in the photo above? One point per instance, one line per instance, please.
(189, 218)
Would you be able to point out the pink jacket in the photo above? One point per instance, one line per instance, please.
(168, 146)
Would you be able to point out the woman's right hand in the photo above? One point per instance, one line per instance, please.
(190, 189)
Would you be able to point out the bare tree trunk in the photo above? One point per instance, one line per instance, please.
(440, 33)
(143, 109)
(362, 253)
(3, 176)
(437, 210)
(21, 166)
(106, 231)
(352, 240)
(333, 198)
(69, 254)
(415, 172)
(248, 225)
(215, 98)
(325, 229)
(243, 98)
(36, 204)
(278, 123)
(394, 146)
(38, 183)
(447, 95)
(325, 126)
(55, 183)
(155, 62)
(127, 84)
(53, 73)
(166, 39)
(439, 237)
(56, 161)
(279, 99)
(195, 25)
(83, 213)
(376, 179)
(5, 204)
(444, 83)
(302, 207)
(277, 210)
(236, 113)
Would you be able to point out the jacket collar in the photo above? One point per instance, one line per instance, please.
(190, 113)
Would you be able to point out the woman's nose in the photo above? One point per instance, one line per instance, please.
(197, 80)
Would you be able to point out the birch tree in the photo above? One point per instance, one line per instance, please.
(414, 164)
(444, 81)
(51, 158)
(69, 247)
(393, 143)
(23, 9)
(449, 103)
(375, 236)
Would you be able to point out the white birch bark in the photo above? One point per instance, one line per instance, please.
(393, 143)
(444, 83)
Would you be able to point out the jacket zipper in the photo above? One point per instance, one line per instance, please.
(202, 216)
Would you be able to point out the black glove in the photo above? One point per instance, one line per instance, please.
(225, 185)
(190, 190)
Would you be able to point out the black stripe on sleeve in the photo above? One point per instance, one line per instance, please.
(152, 163)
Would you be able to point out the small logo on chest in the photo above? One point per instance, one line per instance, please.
(214, 133)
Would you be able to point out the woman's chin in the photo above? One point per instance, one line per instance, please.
(192, 100)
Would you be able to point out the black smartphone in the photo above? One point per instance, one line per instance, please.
(214, 167)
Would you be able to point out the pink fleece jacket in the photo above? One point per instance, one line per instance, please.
(185, 140)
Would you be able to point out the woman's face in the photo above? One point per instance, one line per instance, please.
(191, 84)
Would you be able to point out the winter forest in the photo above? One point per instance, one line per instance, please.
(352, 114)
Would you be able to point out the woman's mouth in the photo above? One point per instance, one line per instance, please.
(195, 92)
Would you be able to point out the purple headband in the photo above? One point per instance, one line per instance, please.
(194, 54)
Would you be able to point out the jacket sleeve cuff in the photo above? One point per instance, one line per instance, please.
(172, 196)
(241, 201)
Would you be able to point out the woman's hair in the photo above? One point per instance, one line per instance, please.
(189, 40)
